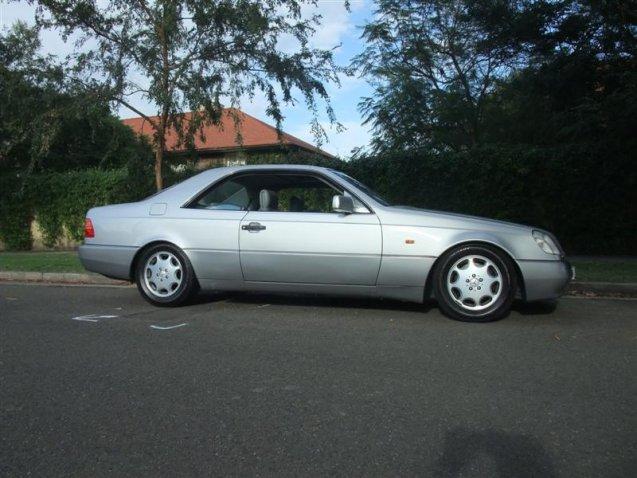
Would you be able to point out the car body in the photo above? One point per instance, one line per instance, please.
(361, 247)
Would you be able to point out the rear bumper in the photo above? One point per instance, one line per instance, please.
(545, 279)
(111, 261)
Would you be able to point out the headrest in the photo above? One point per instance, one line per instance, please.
(268, 200)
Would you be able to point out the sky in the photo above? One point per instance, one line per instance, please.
(338, 27)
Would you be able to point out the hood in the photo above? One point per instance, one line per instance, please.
(412, 216)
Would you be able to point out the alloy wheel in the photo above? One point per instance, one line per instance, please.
(163, 274)
(474, 282)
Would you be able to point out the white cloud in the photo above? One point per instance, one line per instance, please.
(335, 24)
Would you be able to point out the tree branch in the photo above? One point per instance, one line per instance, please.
(136, 111)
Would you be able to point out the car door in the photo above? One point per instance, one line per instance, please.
(297, 242)
(208, 228)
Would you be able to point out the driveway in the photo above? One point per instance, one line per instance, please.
(96, 382)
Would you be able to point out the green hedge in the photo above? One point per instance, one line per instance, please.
(589, 204)
(59, 202)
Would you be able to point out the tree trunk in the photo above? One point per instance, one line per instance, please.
(160, 148)
(159, 159)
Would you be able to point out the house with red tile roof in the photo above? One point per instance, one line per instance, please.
(218, 145)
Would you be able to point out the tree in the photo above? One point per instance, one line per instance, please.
(47, 125)
(451, 74)
(579, 86)
(194, 55)
(434, 63)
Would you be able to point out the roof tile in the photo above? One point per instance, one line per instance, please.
(255, 133)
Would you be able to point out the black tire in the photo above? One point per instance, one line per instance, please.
(506, 286)
(187, 287)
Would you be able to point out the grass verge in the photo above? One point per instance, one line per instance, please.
(66, 261)
(590, 271)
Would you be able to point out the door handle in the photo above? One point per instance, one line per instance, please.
(253, 227)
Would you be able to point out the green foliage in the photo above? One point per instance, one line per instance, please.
(49, 131)
(569, 100)
(591, 207)
(47, 124)
(520, 110)
(293, 156)
(193, 54)
(15, 215)
(452, 74)
(313, 199)
(433, 65)
(59, 202)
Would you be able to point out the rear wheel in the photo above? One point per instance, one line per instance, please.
(475, 283)
(165, 276)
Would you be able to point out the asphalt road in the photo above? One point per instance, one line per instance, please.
(260, 385)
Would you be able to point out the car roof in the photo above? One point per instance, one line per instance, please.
(222, 171)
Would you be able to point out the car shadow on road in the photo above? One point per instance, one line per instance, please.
(468, 452)
(308, 300)
(540, 307)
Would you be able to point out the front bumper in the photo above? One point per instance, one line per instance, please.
(111, 261)
(545, 279)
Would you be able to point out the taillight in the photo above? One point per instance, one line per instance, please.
(88, 228)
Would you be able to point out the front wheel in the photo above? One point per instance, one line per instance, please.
(475, 283)
(165, 276)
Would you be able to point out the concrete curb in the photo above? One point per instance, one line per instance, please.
(59, 278)
(610, 289)
(625, 289)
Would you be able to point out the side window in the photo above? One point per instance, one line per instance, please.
(310, 195)
(283, 192)
(299, 193)
(229, 195)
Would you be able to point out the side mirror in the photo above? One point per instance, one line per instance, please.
(342, 204)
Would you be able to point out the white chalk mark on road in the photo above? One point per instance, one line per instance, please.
(158, 327)
(92, 317)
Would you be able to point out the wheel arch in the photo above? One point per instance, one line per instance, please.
(428, 292)
(141, 250)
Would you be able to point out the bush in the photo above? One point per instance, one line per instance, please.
(15, 215)
(589, 204)
(59, 202)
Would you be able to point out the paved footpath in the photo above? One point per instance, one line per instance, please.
(95, 382)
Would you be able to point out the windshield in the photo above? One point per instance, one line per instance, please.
(370, 192)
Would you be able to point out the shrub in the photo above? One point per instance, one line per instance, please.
(59, 202)
(589, 204)
(15, 215)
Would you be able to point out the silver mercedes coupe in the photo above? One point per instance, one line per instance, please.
(307, 229)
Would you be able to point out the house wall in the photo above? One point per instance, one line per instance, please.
(228, 159)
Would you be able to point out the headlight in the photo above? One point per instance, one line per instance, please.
(546, 243)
